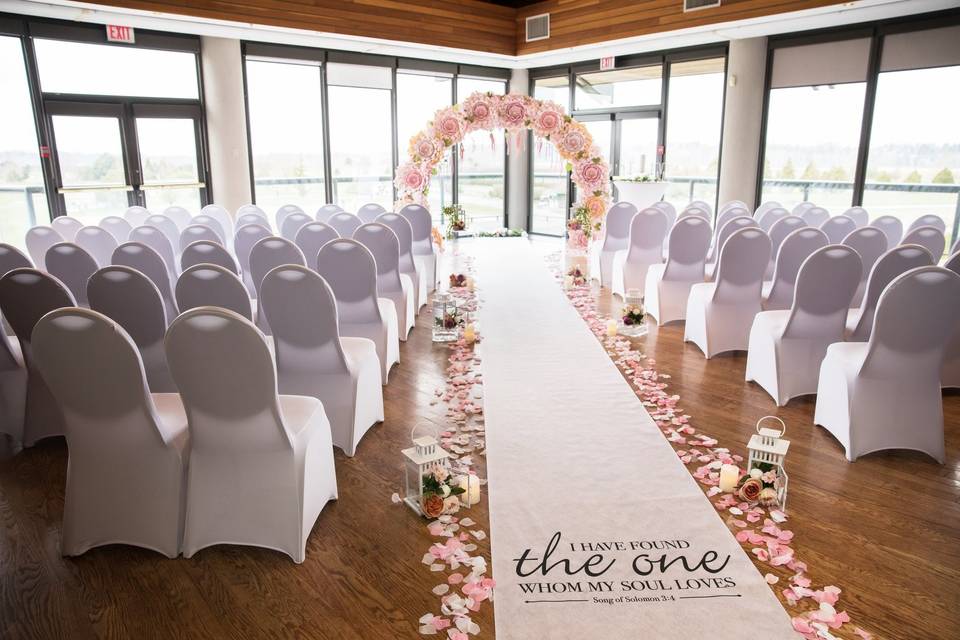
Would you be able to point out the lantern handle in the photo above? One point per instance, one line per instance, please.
(783, 426)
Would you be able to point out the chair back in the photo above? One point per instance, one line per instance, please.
(742, 263)
(422, 225)
(254, 210)
(702, 205)
(931, 238)
(826, 283)
(772, 217)
(207, 252)
(12, 258)
(928, 220)
(370, 212)
(269, 253)
(98, 242)
(733, 204)
(725, 216)
(779, 232)
(211, 285)
(953, 262)
(648, 229)
(246, 236)
(955, 249)
(180, 216)
(135, 217)
(891, 264)
(815, 216)
(345, 223)
(38, 240)
(617, 226)
(731, 227)
(764, 207)
(311, 238)
(688, 243)
(325, 212)
(858, 215)
(212, 223)
(401, 228)
(147, 261)
(73, 266)
(251, 218)
(668, 210)
(67, 227)
(801, 207)
(351, 271)
(794, 249)
(168, 226)
(870, 243)
(837, 228)
(691, 210)
(118, 227)
(284, 211)
(26, 295)
(221, 215)
(383, 244)
(292, 223)
(891, 227)
(158, 241)
(196, 232)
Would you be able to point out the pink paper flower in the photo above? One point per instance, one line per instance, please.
(589, 174)
(448, 126)
(573, 140)
(548, 120)
(411, 177)
(479, 110)
(512, 112)
(424, 147)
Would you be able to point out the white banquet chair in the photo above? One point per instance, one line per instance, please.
(391, 283)
(928, 220)
(345, 223)
(207, 252)
(801, 207)
(733, 204)
(252, 218)
(795, 248)
(728, 229)
(891, 227)
(869, 243)
(210, 285)
(168, 226)
(399, 225)
(370, 212)
(764, 207)
(726, 215)
(118, 227)
(72, 266)
(858, 215)
(837, 228)
(325, 212)
(668, 210)
(127, 447)
(929, 237)
(647, 232)
(956, 246)
(787, 347)
(158, 241)
(38, 239)
(283, 212)
(311, 238)
(292, 223)
(885, 393)
(135, 217)
(13, 388)
(778, 233)
(702, 205)
(423, 254)
(252, 209)
(98, 242)
(350, 270)
(144, 259)
(891, 264)
(228, 384)
(950, 374)
(615, 238)
(132, 300)
(816, 216)
(691, 210)
(313, 360)
(67, 227)
(772, 217)
(26, 295)
(243, 241)
(180, 216)
(668, 284)
(265, 255)
(719, 314)
(195, 233)
(211, 223)
(222, 216)
(12, 258)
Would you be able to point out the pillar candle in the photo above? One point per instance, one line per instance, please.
(729, 477)
(611, 327)
(471, 493)
(568, 282)
(470, 333)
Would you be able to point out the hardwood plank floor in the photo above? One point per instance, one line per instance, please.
(885, 529)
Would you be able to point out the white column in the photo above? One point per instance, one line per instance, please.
(226, 121)
(518, 200)
(743, 111)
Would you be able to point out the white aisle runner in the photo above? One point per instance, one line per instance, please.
(598, 530)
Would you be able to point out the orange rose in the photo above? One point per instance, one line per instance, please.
(750, 490)
(432, 506)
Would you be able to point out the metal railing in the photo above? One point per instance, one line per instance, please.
(28, 192)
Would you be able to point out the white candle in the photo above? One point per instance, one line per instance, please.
(469, 283)
(729, 476)
(470, 333)
(471, 493)
(611, 327)
(568, 282)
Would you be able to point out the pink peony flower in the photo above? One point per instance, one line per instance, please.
(448, 125)
(425, 147)
(411, 177)
(590, 174)
(513, 112)
(479, 110)
(573, 140)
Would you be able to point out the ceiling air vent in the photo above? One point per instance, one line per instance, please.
(693, 5)
(538, 27)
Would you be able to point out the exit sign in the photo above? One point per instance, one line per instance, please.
(117, 33)
(606, 63)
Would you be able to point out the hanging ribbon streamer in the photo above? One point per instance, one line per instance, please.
(461, 152)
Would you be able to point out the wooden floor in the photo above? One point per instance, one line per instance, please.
(885, 529)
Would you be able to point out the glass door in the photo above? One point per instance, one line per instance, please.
(638, 145)
(171, 163)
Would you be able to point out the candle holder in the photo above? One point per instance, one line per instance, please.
(767, 450)
(632, 323)
(446, 318)
(430, 490)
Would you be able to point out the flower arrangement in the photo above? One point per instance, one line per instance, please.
(440, 491)
(450, 319)
(579, 277)
(632, 315)
(456, 218)
(760, 486)
(500, 233)
(458, 280)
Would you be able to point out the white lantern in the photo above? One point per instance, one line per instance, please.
(767, 449)
(446, 317)
(421, 460)
(633, 304)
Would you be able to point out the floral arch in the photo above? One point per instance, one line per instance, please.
(515, 114)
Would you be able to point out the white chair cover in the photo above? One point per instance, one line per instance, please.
(127, 448)
(772, 217)
(12, 258)
(423, 254)
(732, 204)
(647, 232)
(703, 206)
(692, 210)
(147, 261)
(885, 393)
(247, 236)
(195, 233)
(928, 220)
(837, 228)
(180, 216)
(870, 243)
(132, 300)
(13, 387)
(26, 295)
(228, 384)
(890, 226)
(350, 270)
(719, 314)
(325, 212)
(265, 255)
(891, 264)
(391, 283)
(98, 242)
(168, 226)
(668, 285)
(210, 285)
(956, 246)
(67, 227)
(778, 233)
(135, 217)
(72, 266)
(312, 358)
(212, 223)
(207, 252)
(284, 211)
(38, 240)
(727, 230)
(255, 210)
(725, 216)
(801, 207)
(292, 224)
(929, 238)
(858, 215)
(118, 227)
(311, 238)
(345, 223)
(252, 218)
(401, 228)
(950, 375)
(370, 212)
(816, 216)
(157, 240)
(668, 210)
(221, 215)
(796, 247)
(616, 237)
(787, 347)
(764, 207)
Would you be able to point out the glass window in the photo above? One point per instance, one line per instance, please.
(361, 137)
(481, 183)
(549, 183)
(555, 89)
(812, 138)
(419, 96)
(23, 202)
(619, 88)
(915, 146)
(168, 155)
(694, 122)
(113, 70)
(286, 133)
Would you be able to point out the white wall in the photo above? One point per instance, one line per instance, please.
(226, 121)
(746, 67)
(518, 200)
